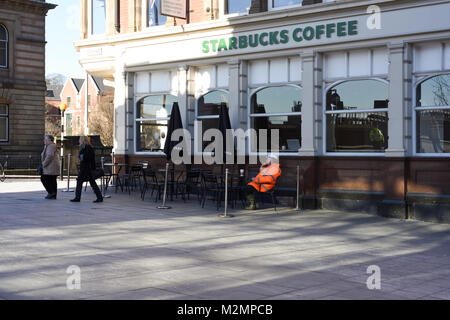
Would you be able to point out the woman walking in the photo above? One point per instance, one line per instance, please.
(87, 164)
(50, 166)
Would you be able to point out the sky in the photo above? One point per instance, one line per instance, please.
(61, 29)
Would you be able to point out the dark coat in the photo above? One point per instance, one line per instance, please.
(87, 162)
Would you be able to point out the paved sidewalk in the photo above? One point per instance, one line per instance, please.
(127, 249)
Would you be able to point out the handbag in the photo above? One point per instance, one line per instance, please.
(40, 170)
(97, 173)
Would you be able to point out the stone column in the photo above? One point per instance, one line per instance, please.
(120, 113)
(396, 111)
(234, 90)
(110, 17)
(134, 15)
(83, 19)
(308, 106)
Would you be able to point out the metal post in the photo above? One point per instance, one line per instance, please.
(62, 167)
(105, 196)
(225, 215)
(69, 157)
(165, 190)
(298, 188)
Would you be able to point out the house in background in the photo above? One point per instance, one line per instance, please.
(74, 95)
(52, 111)
(22, 78)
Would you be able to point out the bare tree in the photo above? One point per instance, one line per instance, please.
(101, 120)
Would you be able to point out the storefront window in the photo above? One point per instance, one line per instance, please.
(3, 47)
(152, 117)
(154, 16)
(433, 115)
(4, 122)
(278, 108)
(237, 6)
(357, 116)
(208, 109)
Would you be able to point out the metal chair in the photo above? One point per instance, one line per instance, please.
(151, 180)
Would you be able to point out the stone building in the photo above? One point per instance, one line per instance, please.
(22, 76)
(359, 90)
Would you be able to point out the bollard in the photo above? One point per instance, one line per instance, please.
(298, 188)
(69, 157)
(105, 196)
(165, 190)
(225, 215)
(62, 168)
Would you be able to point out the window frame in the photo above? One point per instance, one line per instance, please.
(223, 10)
(271, 7)
(250, 115)
(417, 80)
(144, 15)
(197, 117)
(6, 47)
(6, 116)
(325, 112)
(136, 120)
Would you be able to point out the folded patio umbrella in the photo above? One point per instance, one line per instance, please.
(224, 124)
(174, 124)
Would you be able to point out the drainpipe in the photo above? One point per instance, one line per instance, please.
(117, 15)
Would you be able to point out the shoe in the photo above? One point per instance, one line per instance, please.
(98, 200)
(51, 196)
(75, 200)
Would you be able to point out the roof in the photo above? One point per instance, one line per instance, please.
(53, 92)
(99, 83)
(78, 83)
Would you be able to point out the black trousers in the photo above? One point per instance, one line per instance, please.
(94, 187)
(50, 183)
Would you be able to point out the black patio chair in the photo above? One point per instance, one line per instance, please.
(150, 180)
(211, 186)
(132, 178)
(190, 185)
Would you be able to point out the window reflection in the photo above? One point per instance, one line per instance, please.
(154, 13)
(238, 6)
(209, 104)
(98, 16)
(274, 101)
(289, 131)
(434, 92)
(283, 3)
(208, 109)
(159, 106)
(151, 135)
(277, 100)
(152, 117)
(361, 132)
(433, 131)
(358, 95)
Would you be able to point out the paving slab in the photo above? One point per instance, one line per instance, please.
(126, 248)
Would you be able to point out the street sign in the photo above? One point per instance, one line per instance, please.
(174, 8)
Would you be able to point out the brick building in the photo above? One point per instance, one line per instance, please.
(74, 95)
(358, 90)
(22, 76)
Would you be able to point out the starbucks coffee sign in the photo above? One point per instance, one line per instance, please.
(283, 36)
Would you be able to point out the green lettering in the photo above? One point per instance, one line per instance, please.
(296, 36)
(232, 43)
(284, 35)
(213, 43)
(243, 42)
(253, 40)
(319, 30)
(308, 33)
(341, 29)
(353, 27)
(205, 46)
(273, 38)
(331, 28)
(222, 45)
(261, 37)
